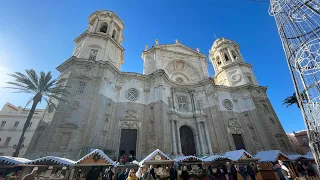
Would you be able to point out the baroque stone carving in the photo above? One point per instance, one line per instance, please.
(227, 104)
(75, 105)
(234, 127)
(132, 94)
(130, 120)
(252, 131)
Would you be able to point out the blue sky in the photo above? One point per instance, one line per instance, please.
(39, 34)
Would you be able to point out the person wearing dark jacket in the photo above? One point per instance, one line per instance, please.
(184, 174)
(172, 173)
(120, 175)
(234, 172)
(251, 172)
(145, 174)
(210, 173)
(243, 171)
(220, 172)
(151, 171)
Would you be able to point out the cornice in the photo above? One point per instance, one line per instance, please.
(105, 37)
(231, 65)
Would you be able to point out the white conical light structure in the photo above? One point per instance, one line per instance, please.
(298, 23)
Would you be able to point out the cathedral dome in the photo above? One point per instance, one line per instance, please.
(222, 42)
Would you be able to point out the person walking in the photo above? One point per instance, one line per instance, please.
(145, 174)
(30, 176)
(184, 174)
(132, 175)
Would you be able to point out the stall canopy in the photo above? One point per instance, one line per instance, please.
(8, 160)
(52, 160)
(216, 158)
(95, 158)
(238, 155)
(188, 159)
(156, 157)
(297, 157)
(270, 156)
(309, 155)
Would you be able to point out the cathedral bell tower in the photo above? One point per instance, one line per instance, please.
(102, 40)
(230, 68)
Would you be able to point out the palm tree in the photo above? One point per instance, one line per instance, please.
(294, 100)
(41, 87)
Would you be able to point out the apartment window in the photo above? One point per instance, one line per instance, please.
(182, 102)
(3, 123)
(93, 54)
(16, 124)
(7, 141)
(81, 87)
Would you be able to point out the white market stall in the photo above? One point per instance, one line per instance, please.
(12, 166)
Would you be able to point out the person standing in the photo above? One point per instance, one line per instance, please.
(172, 173)
(130, 158)
(301, 170)
(243, 171)
(124, 159)
(120, 175)
(145, 174)
(132, 175)
(234, 172)
(126, 173)
(110, 174)
(225, 172)
(151, 171)
(30, 176)
(139, 173)
(251, 171)
(278, 170)
(184, 174)
(210, 173)
(285, 171)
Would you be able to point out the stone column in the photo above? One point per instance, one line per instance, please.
(173, 98)
(110, 28)
(230, 55)
(208, 138)
(201, 139)
(178, 138)
(174, 143)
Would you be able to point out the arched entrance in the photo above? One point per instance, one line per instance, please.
(187, 141)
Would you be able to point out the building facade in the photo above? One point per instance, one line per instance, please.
(12, 120)
(299, 141)
(174, 105)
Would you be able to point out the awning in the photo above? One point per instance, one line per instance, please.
(188, 159)
(52, 160)
(95, 158)
(269, 156)
(8, 160)
(214, 158)
(156, 157)
(238, 155)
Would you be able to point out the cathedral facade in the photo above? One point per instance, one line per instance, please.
(174, 106)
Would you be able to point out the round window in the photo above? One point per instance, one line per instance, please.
(227, 104)
(179, 80)
(132, 94)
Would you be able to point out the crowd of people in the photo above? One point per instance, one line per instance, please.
(231, 172)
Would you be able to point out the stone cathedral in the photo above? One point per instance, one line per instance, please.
(174, 106)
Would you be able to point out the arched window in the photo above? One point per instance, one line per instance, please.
(114, 34)
(226, 57)
(104, 27)
(218, 60)
(234, 55)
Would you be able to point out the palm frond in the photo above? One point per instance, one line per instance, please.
(33, 76)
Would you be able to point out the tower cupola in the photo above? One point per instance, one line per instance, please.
(228, 63)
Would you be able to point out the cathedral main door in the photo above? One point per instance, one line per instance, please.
(128, 142)
(187, 141)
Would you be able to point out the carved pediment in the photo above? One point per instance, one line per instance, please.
(69, 125)
(130, 120)
(180, 48)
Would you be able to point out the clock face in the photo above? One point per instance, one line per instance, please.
(158, 157)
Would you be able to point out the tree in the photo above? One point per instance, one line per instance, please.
(42, 87)
(294, 100)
